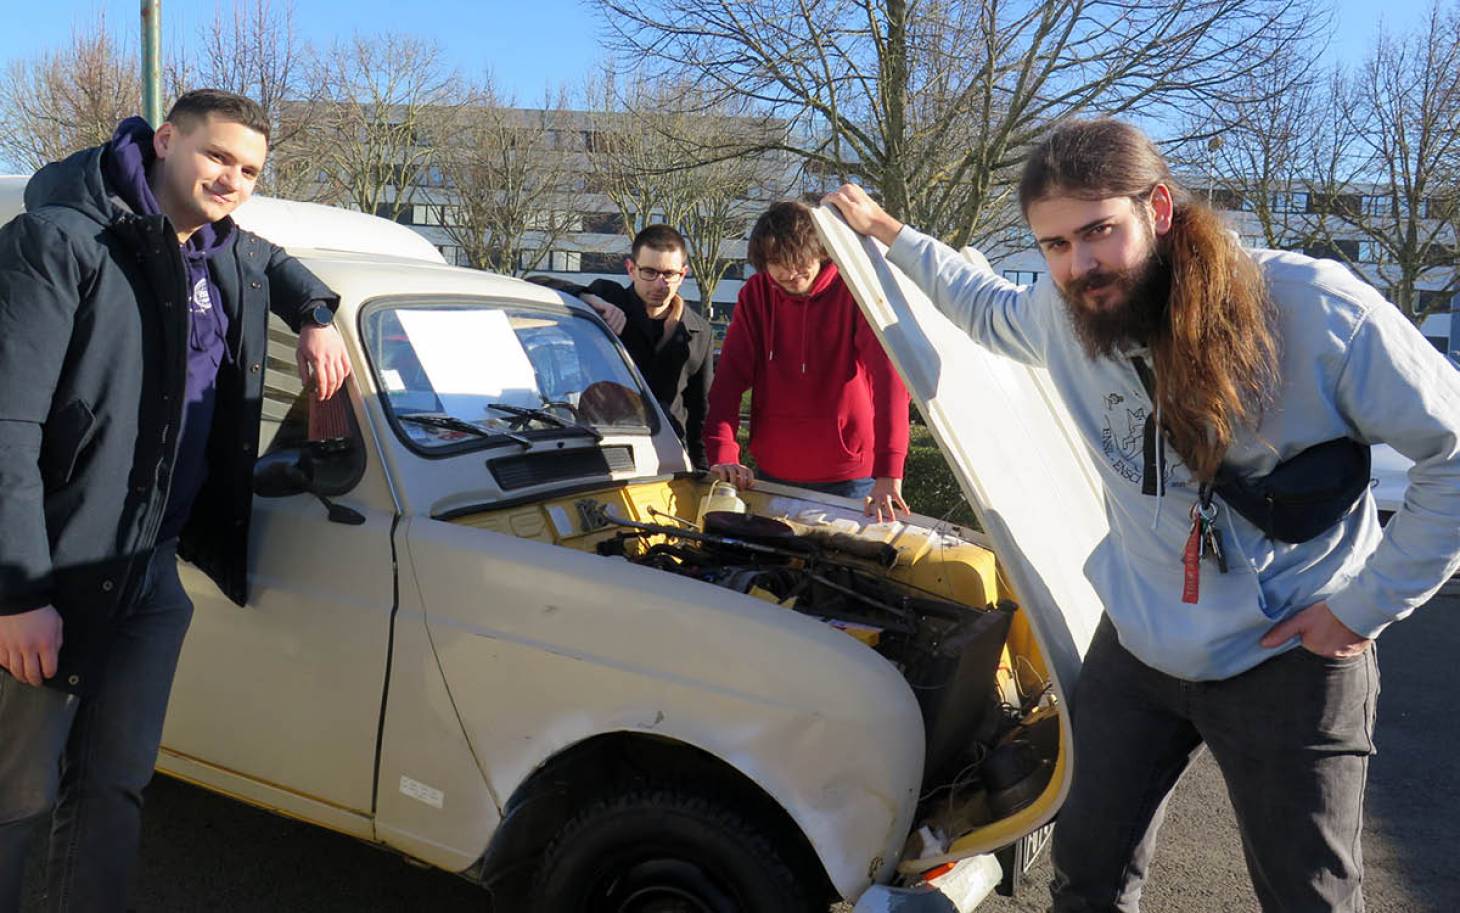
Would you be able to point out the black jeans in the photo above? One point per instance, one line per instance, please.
(86, 760)
(1292, 737)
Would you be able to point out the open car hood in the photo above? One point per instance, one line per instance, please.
(1008, 438)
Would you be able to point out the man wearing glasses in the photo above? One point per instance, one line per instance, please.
(670, 343)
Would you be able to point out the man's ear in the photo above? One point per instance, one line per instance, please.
(629, 266)
(163, 138)
(1162, 208)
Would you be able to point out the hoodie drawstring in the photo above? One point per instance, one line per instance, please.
(804, 311)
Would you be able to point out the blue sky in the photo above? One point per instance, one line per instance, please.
(528, 46)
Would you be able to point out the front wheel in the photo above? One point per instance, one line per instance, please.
(665, 851)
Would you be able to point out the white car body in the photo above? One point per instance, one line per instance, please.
(1389, 473)
(415, 679)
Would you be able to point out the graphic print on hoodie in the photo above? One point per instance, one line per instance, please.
(125, 164)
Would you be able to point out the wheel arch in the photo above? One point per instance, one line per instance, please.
(548, 799)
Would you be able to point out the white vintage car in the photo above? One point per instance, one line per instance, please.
(489, 629)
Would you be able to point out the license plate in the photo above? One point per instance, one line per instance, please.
(1019, 857)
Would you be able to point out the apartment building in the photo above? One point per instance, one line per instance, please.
(589, 240)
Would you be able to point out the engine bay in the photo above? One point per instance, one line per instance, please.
(991, 730)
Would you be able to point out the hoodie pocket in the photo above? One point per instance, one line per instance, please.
(67, 434)
(801, 449)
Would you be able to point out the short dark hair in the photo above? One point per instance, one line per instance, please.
(785, 233)
(192, 108)
(658, 237)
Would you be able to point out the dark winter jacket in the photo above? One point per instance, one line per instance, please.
(93, 349)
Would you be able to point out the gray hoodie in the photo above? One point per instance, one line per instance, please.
(1351, 365)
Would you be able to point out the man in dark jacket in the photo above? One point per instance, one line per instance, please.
(133, 320)
(670, 343)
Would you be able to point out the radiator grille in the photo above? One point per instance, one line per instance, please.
(528, 469)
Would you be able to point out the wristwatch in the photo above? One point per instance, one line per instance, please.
(320, 316)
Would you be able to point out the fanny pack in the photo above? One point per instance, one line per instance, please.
(1305, 494)
(1302, 496)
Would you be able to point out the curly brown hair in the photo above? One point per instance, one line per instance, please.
(785, 233)
(1216, 346)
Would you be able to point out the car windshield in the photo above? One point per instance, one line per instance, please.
(450, 371)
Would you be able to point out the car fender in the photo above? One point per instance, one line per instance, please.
(543, 647)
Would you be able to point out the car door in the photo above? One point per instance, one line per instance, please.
(279, 701)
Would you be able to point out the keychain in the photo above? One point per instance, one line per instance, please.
(1205, 541)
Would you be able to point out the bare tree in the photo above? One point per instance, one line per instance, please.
(252, 48)
(671, 154)
(1391, 184)
(68, 99)
(933, 102)
(1259, 153)
(382, 99)
(514, 175)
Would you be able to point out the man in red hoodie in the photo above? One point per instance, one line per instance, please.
(827, 412)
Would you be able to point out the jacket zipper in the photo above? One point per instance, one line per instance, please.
(179, 317)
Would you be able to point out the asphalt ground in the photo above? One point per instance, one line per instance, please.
(203, 852)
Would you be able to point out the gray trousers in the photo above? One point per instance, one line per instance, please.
(85, 761)
(1292, 737)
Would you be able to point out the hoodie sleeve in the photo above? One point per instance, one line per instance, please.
(890, 403)
(997, 313)
(733, 376)
(293, 290)
(1396, 388)
(40, 282)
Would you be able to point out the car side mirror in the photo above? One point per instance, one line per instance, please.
(293, 471)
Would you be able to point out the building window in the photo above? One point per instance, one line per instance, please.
(603, 223)
(593, 262)
(554, 261)
(1025, 277)
(1426, 299)
(425, 214)
(1374, 205)
(1290, 201)
(403, 215)
(1371, 252)
(1225, 198)
(1342, 251)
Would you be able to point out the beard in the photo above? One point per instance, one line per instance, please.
(1134, 316)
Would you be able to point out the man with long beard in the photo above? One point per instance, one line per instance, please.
(1239, 615)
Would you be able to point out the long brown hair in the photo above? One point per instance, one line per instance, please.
(1216, 353)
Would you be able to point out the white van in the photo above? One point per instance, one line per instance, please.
(490, 629)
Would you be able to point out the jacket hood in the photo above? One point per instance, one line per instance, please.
(124, 165)
(74, 182)
(105, 182)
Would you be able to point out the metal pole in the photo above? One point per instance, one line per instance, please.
(151, 61)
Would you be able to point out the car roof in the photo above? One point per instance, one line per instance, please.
(358, 255)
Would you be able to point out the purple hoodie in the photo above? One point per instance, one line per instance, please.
(125, 164)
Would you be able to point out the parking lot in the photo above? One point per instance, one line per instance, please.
(201, 851)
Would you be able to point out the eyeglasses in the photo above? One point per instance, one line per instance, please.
(653, 275)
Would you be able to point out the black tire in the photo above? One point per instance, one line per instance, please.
(665, 851)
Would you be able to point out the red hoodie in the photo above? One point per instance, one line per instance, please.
(826, 404)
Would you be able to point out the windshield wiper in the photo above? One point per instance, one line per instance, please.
(452, 423)
(546, 416)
